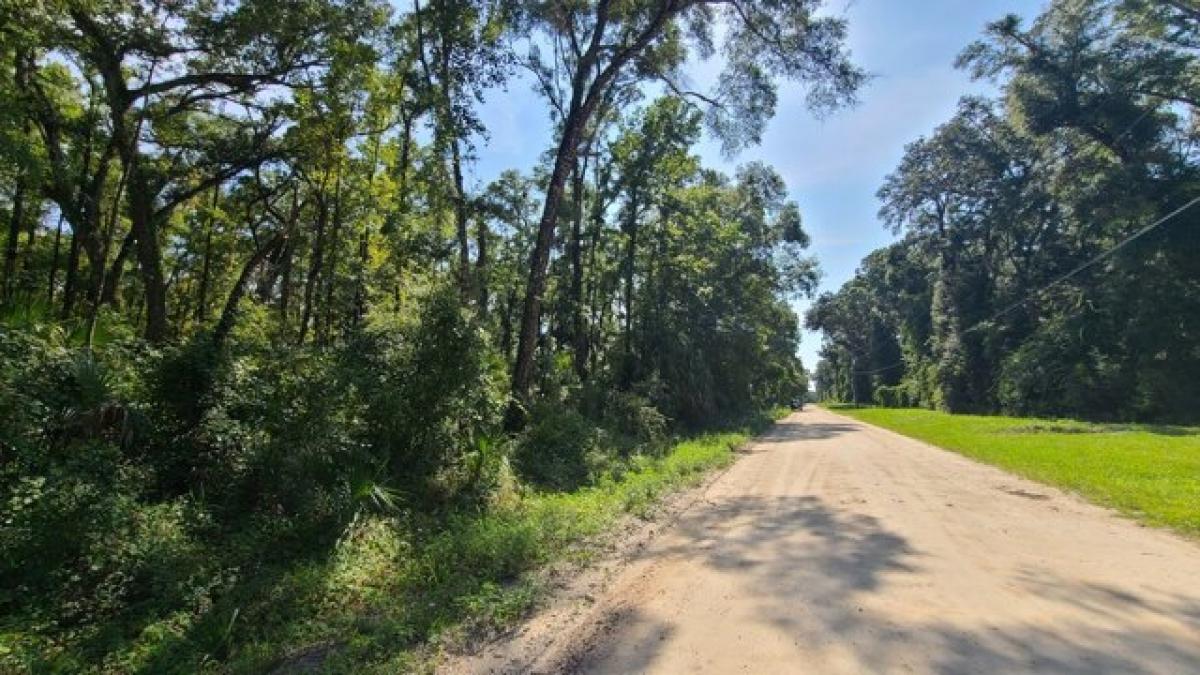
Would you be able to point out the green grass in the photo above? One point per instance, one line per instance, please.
(473, 575)
(392, 588)
(1146, 471)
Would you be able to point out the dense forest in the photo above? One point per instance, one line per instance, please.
(252, 299)
(1050, 257)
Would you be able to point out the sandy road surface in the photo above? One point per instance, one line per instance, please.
(837, 547)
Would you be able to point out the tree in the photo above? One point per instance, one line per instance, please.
(458, 45)
(1024, 292)
(601, 46)
(171, 75)
(650, 157)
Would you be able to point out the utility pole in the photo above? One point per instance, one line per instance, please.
(853, 382)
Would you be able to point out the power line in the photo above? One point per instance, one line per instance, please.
(1133, 124)
(877, 370)
(1129, 129)
(1074, 271)
(1125, 242)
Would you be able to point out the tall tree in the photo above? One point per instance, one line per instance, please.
(171, 75)
(600, 45)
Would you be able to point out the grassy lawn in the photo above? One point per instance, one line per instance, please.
(1146, 471)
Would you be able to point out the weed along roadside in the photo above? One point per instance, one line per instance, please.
(397, 588)
(477, 574)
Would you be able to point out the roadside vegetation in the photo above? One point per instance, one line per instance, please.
(286, 380)
(379, 597)
(1149, 472)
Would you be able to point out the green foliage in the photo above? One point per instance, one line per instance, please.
(158, 589)
(431, 391)
(257, 330)
(895, 396)
(145, 490)
(253, 507)
(564, 449)
(635, 418)
(561, 450)
(1013, 288)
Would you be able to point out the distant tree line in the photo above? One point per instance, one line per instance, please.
(1093, 138)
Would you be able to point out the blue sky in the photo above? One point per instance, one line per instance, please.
(832, 166)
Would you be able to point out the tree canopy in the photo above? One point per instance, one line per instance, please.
(250, 295)
(1045, 265)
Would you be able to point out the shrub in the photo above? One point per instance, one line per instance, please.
(895, 396)
(560, 450)
(635, 418)
(432, 391)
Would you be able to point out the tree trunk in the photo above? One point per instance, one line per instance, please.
(54, 256)
(15, 220)
(21, 68)
(597, 228)
(360, 286)
(531, 312)
(578, 330)
(627, 269)
(402, 166)
(229, 312)
(206, 269)
(364, 247)
(482, 234)
(270, 276)
(604, 308)
(460, 221)
(584, 99)
(28, 273)
(111, 293)
(145, 229)
(445, 132)
(331, 275)
(450, 133)
(656, 279)
(539, 260)
(506, 324)
(315, 265)
(143, 223)
(72, 273)
(83, 214)
(287, 263)
(285, 283)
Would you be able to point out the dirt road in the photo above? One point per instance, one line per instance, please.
(836, 547)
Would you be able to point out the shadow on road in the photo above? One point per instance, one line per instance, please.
(778, 546)
(797, 430)
(808, 567)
